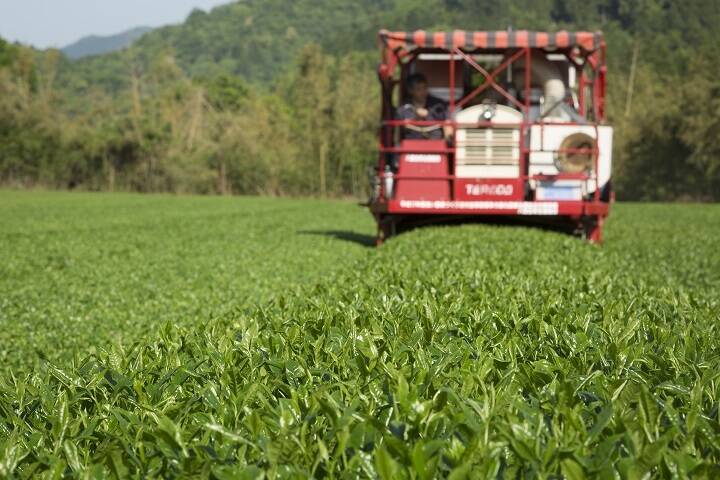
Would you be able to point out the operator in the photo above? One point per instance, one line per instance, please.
(423, 107)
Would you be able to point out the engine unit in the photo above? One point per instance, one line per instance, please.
(488, 152)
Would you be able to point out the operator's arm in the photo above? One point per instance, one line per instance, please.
(448, 131)
(403, 112)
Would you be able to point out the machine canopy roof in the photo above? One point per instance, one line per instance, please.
(588, 41)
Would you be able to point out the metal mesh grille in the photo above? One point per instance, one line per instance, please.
(489, 146)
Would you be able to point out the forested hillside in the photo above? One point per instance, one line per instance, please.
(231, 101)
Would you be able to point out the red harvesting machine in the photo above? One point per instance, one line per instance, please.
(524, 130)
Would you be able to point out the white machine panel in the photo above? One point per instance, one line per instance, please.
(487, 171)
(545, 140)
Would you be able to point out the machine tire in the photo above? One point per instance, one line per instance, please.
(387, 228)
(606, 192)
(591, 229)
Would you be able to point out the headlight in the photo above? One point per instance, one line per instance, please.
(576, 154)
(488, 112)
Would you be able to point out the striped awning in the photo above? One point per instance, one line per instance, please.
(588, 41)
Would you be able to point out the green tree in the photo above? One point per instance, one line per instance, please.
(308, 92)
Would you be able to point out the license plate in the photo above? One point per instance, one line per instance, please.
(559, 193)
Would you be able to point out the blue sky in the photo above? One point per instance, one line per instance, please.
(56, 23)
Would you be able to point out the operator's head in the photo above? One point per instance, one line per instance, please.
(417, 88)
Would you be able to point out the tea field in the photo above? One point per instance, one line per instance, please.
(249, 338)
(80, 270)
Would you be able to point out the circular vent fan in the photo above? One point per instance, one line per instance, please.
(576, 153)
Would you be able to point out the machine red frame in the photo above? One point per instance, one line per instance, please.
(584, 50)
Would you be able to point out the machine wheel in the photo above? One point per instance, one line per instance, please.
(606, 192)
(387, 227)
(591, 229)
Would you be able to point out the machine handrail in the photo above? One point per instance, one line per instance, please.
(453, 123)
(560, 176)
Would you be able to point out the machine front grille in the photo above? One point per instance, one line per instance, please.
(488, 146)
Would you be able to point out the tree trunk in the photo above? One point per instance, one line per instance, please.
(222, 179)
(631, 81)
(323, 159)
(111, 174)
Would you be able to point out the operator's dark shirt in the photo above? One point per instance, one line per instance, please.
(437, 110)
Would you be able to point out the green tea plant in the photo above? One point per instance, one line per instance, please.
(459, 352)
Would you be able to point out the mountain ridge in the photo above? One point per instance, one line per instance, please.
(93, 45)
